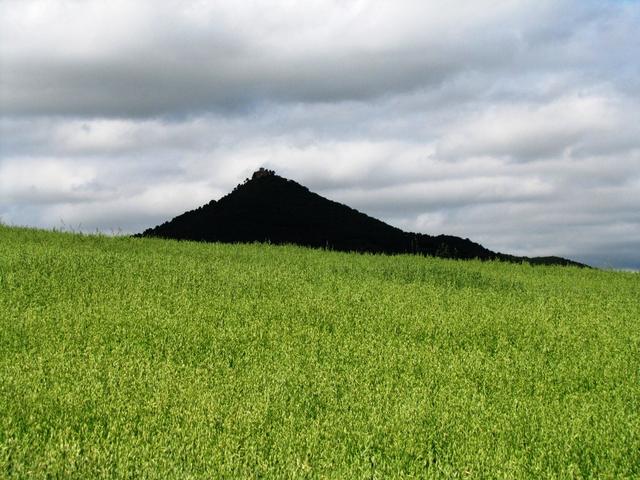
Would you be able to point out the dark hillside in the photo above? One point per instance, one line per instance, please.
(269, 208)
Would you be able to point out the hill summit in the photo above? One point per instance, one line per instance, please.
(273, 209)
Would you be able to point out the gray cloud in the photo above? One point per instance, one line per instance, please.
(179, 57)
(512, 123)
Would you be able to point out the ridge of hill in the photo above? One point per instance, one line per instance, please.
(272, 209)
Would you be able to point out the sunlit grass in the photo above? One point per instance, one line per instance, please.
(140, 358)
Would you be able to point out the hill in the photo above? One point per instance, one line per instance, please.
(147, 358)
(269, 208)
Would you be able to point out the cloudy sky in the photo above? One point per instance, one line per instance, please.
(513, 122)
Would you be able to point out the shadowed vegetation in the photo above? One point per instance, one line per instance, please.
(271, 209)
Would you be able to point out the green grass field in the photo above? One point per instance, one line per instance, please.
(131, 358)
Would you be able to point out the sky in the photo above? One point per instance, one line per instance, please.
(512, 122)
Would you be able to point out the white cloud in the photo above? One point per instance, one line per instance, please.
(535, 131)
(44, 180)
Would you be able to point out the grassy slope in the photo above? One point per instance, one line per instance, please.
(150, 358)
